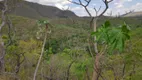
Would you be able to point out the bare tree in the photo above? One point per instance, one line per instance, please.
(5, 7)
(2, 47)
(93, 23)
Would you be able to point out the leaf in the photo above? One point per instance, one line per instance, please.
(125, 28)
(107, 24)
(113, 37)
(42, 22)
(94, 33)
(112, 46)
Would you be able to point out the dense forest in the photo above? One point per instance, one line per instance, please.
(68, 47)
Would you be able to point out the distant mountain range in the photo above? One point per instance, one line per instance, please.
(37, 11)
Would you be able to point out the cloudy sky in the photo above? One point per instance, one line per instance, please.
(117, 7)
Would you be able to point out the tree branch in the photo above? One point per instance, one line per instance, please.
(83, 5)
(4, 10)
(106, 2)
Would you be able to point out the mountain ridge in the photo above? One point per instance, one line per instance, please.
(37, 11)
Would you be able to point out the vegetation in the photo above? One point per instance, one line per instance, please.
(67, 52)
(63, 49)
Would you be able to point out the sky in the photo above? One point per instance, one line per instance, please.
(116, 7)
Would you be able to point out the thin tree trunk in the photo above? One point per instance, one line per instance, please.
(96, 72)
(123, 70)
(68, 70)
(95, 29)
(2, 54)
(97, 68)
(87, 73)
(2, 47)
(42, 51)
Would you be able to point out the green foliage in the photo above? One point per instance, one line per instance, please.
(68, 41)
(4, 37)
(114, 37)
(53, 45)
(42, 22)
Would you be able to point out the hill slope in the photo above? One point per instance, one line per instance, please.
(36, 11)
(133, 14)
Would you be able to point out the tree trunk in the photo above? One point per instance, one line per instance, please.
(2, 47)
(2, 54)
(96, 72)
(38, 64)
(95, 29)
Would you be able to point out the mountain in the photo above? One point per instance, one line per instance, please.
(133, 14)
(37, 11)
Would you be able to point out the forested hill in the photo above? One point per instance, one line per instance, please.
(36, 11)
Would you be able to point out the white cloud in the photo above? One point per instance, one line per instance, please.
(137, 7)
(50, 1)
(120, 3)
(60, 6)
(119, 6)
(58, 3)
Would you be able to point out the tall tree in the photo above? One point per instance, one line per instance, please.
(5, 7)
(47, 25)
(2, 47)
(93, 25)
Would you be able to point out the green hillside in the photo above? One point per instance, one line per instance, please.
(41, 42)
(38, 11)
(66, 45)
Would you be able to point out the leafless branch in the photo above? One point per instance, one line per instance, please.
(106, 2)
(83, 5)
(4, 14)
(97, 11)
